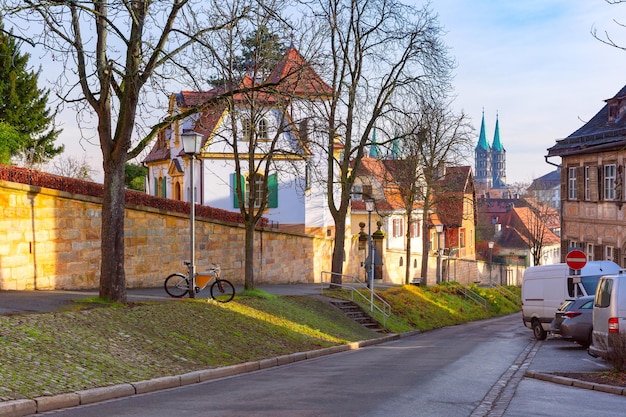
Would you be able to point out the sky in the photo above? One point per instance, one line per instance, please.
(533, 63)
(536, 66)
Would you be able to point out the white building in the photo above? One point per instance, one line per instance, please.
(278, 121)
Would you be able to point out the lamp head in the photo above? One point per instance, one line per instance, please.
(192, 142)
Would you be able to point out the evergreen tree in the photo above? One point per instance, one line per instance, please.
(135, 176)
(23, 106)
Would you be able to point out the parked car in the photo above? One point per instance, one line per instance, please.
(609, 314)
(577, 321)
(546, 286)
(559, 316)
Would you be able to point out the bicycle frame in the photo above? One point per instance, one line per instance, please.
(203, 278)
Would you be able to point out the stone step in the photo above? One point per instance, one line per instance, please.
(356, 313)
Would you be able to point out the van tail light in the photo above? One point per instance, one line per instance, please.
(613, 325)
(572, 314)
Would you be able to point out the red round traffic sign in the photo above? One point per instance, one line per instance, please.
(576, 259)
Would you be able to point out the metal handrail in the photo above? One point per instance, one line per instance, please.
(472, 295)
(354, 286)
(504, 291)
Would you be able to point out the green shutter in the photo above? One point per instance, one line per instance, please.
(272, 191)
(156, 187)
(237, 184)
(164, 190)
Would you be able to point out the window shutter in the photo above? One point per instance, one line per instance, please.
(564, 184)
(236, 185)
(599, 252)
(164, 189)
(600, 184)
(272, 191)
(593, 183)
(156, 187)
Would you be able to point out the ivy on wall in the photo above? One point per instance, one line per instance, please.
(92, 189)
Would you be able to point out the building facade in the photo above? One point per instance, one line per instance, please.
(593, 159)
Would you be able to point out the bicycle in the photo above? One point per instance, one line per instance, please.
(177, 284)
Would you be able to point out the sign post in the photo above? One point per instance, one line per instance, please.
(576, 260)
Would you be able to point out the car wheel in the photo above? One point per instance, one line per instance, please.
(538, 331)
(587, 343)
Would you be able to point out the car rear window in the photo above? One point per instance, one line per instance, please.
(566, 305)
(603, 296)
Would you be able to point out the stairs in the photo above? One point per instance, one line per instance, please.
(356, 313)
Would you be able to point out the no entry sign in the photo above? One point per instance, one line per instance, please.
(576, 259)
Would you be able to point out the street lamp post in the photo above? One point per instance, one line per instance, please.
(369, 207)
(491, 243)
(192, 142)
(439, 230)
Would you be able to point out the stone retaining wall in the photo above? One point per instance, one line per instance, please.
(50, 239)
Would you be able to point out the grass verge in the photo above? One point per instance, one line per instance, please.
(95, 344)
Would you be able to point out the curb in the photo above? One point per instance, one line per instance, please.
(21, 408)
(611, 389)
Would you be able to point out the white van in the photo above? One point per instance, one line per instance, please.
(545, 287)
(609, 313)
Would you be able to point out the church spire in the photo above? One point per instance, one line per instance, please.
(482, 139)
(374, 151)
(497, 144)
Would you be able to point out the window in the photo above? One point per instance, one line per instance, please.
(462, 238)
(246, 129)
(367, 191)
(609, 253)
(587, 183)
(571, 184)
(357, 192)
(398, 227)
(609, 182)
(262, 129)
(257, 190)
(415, 228)
(257, 187)
(590, 252)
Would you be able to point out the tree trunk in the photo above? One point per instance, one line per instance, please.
(338, 250)
(112, 275)
(407, 275)
(425, 250)
(249, 257)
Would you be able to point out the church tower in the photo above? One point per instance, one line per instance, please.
(482, 159)
(498, 160)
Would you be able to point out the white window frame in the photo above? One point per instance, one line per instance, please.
(398, 227)
(609, 253)
(587, 183)
(609, 181)
(571, 183)
(590, 251)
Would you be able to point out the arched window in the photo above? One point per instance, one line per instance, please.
(262, 129)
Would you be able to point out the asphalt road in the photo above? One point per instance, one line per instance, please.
(475, 369)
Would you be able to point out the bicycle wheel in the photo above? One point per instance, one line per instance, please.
(176, 285)
(222, 291)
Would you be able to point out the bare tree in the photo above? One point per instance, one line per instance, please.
(261, 126)
(72, 167)
(436, 137)
(117, 57)
(371, 50)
